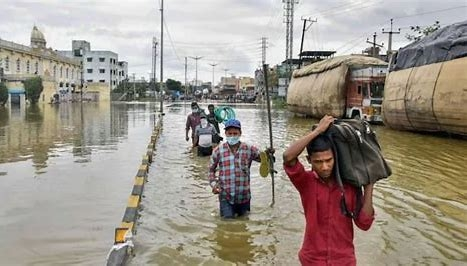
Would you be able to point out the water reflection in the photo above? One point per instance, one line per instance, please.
(66, 171)
(233, 242)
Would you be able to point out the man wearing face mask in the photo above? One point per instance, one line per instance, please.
(192, 121)
(204, 133)
(232, 160)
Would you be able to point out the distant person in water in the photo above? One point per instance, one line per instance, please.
(211, 116)
(192, 121)
(204, 133)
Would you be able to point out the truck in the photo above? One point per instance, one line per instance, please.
(349, 86)
(426, 85)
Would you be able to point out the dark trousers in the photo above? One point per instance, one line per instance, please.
(204, 151)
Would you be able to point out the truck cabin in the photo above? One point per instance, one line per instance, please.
(364, 97)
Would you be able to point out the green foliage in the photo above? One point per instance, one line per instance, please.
(3, 93)
(422, 31)
(173, 85)
(33, 87)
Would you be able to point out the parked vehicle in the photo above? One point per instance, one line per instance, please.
(426, 87)
(350, 86)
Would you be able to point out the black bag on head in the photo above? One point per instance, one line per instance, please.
(357, 153)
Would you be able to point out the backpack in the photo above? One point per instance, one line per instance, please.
(357, 156)
(357, 152)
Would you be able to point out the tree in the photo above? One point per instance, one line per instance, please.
(33, 87)
(422, 31)
(173, 85)
(3, 94)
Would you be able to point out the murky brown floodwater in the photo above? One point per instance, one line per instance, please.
(65, 176)
(66, 173)
(421, 208)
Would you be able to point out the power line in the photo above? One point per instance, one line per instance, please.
(431, 12)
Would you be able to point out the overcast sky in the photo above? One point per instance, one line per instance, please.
(223, 32)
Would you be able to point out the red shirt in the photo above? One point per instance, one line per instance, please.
(328, 236)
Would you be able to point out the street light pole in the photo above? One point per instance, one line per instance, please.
(196, 69)
(212, 84)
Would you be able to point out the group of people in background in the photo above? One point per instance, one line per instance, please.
(328, 237)
(204, 129)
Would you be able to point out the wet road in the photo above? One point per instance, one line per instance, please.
(66, 173)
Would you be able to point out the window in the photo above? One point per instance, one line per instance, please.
(36, 68)
(101, 70)
(7, 64)
(89, 80)
(55, 71)
(102, 81)
(18, 65)
(365, 89)
(28, 69)
(61, 72)
(89, 70)
(72, 74)
(101, 59)
(66, 73)
(89, 59)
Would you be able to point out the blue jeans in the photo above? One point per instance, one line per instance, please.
(230, 211)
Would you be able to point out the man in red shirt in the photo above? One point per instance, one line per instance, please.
(328, 236)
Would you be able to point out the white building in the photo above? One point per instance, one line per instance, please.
(98, 66)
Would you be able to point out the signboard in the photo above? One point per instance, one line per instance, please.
(283, 82)
(282, 91)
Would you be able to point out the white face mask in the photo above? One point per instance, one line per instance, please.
(204, 123)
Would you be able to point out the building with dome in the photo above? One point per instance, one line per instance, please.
(61, 75)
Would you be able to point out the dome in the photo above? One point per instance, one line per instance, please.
(37, 38)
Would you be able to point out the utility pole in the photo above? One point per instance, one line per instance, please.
(289, 19)
(390, 32)
(185, 77)
(196, 67)
(212, 84)
(154, 62)
(261, 80)
(134, 86)
(161, 85)
(263, 50)
(225, 75)
(303, 37)
(373, 52)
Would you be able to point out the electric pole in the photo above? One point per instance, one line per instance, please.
(289, 19)
(373, 52)
(196, 69)
(161, 85)
(390, 32)
(154, 63)
(303, 37)
(134, 86)
(261, 81)
(185, 77)
(212, 85)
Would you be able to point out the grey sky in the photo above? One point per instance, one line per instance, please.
(226, 32)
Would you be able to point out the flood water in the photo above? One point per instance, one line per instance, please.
(66, 173)
(421, 209)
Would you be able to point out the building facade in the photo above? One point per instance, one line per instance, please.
(100, 67)
(60, 74)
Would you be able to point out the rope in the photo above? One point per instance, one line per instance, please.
(224, 113)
